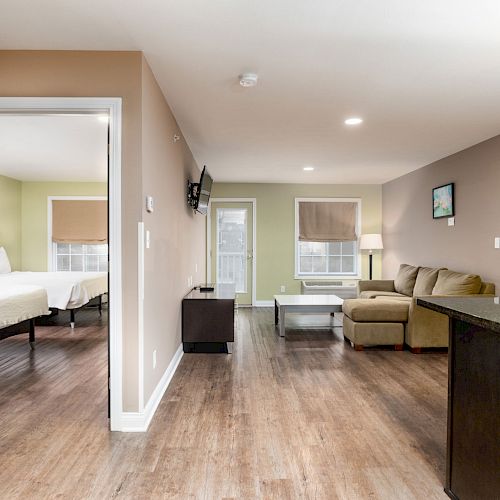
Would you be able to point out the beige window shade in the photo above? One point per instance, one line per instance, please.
(327, 221)
(80, 221)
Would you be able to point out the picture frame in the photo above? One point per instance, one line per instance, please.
(443, 201)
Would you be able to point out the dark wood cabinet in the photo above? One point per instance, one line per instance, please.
(208, 317)
(473, 445)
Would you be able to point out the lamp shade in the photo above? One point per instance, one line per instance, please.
(370, 242)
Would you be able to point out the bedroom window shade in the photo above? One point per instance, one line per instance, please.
(327, 221)
(80, 221)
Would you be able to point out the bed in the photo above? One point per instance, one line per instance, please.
(19, 306)
(65, 290)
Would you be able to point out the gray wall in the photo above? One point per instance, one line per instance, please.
(412, 236)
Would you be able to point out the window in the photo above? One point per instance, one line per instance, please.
(232, 247)
(326, 258)
(80, 257)
(78, 233)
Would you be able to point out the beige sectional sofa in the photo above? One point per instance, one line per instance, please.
(386, 312)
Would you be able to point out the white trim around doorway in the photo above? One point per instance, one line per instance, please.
(113, 107)
(253, 201)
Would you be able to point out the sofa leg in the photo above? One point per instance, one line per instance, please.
(398, 347)
(416, 350)
(358, 347)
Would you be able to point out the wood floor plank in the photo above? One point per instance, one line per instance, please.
(302, 417)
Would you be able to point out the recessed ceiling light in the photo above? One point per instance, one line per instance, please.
(103, 118)
(248, 79)
(308, 169)
(353, 121)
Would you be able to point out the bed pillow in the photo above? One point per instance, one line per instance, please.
(4, 262)
(405, 280)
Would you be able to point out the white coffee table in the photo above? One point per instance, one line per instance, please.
(303, 304)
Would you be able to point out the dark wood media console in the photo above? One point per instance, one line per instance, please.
(208, 319)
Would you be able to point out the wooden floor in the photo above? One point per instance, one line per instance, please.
(305, 417)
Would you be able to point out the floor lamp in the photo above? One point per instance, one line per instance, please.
(371, 242)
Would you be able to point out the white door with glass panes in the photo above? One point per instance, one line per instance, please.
(231, 255)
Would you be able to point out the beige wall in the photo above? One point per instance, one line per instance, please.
(276, 226)
(412, 236)
(120, 74)
(34, 216)
(10, 220)
(177, 234)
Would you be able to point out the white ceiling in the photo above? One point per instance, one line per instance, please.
(53, 147)
(425, 76)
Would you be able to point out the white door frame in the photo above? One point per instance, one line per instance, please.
(253, 201)
(112, 106)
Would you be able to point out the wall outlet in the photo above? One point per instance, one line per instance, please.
(451, 221)
(196, 268)
(148, 239)
(282, 288)
(154, 359)
(190, 281)
(497, 242)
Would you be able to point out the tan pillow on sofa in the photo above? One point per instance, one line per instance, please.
(405, 280)
(426, 279)
(452, 283)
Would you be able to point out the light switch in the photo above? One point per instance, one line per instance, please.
(148, 239)
(497, 242)
(451, 221)
(150, 204)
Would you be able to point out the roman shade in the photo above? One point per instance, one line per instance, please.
(80, 221)
(327, 221)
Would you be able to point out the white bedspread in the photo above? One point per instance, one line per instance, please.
(65, 290)
(21, 302)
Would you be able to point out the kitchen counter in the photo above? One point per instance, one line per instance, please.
(473, 445)
(480, 311)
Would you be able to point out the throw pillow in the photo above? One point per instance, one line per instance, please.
(452, 283)
(405, 280)
(426, 279)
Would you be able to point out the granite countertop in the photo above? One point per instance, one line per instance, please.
(480, 311)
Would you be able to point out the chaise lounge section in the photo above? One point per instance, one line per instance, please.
(386, 312)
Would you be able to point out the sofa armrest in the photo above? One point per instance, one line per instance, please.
(428, 328)
(376, 285)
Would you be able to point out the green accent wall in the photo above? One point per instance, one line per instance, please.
(34, 216)
(276, 226)
(10, 220)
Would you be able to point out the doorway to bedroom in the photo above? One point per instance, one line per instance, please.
(57, 229)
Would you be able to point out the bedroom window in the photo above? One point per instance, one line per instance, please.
(81, 257)
(326, 237)
(78, 233)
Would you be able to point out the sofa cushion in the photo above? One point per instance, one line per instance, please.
(380, 310)
(405, 280)
(426, 279)
(453, 283)
(371, 294)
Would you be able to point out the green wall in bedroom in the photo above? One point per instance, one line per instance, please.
(276, 226)
(34, 216)
(10, 220)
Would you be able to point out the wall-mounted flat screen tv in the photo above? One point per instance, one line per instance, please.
(199, 193)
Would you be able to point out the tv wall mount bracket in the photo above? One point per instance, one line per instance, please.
(192, 193)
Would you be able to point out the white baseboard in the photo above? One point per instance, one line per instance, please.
(139, 421)
(264, 303)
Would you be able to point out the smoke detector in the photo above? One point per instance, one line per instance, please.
(248, 79)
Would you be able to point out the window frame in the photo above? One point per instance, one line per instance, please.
(51, 253)
(312, 276)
